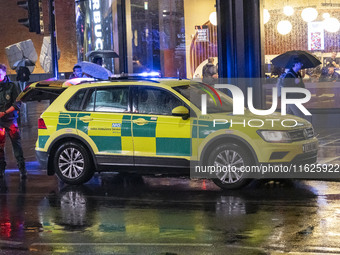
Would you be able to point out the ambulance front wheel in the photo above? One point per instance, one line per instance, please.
(232, 159)
(72, 163)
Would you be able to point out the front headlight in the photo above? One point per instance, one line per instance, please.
(275, 136)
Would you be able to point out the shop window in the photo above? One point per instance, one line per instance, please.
(317, 36)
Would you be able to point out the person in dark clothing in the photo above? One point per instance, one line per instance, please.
(8, 122)
(293, 79)
(23, 76)
(209, 72)
(77, 72)
(332, 62)
(328, 75)
(98, 60)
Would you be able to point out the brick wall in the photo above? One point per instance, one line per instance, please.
(12, 32)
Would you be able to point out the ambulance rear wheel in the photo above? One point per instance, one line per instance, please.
(72, 163)
(230, 157)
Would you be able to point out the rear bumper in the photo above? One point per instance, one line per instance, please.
(42, 158)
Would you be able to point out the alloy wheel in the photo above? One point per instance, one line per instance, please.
(232, 162)
(71, 163)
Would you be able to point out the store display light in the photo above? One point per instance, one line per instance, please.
(309, 14)
(331, 25)
(288, 10)
(326, 15)
(213, 18)
(266, 16)
(284, 27)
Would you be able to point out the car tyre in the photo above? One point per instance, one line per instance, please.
(73, 164)
(234, 156)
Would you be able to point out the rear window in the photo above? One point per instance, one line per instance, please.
(109, 99)
(39, 94)
(75, 103)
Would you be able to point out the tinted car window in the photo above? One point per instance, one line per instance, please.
(108, 100)
(194, 94)
(74, 104)
(156, 101)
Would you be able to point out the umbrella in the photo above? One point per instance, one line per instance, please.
(102, 53)
(286, 59)
(94, 70)
(24, 62)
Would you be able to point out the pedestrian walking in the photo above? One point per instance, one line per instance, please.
(294, 79)
(23, 76)
(8, 122)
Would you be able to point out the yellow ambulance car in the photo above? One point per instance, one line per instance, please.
(155, 126)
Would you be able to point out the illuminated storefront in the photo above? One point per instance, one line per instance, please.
(312, 26)
(175, 38)
(148, 35)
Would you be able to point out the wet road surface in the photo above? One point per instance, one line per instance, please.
(114, 214)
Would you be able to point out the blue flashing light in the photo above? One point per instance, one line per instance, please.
(150, 74)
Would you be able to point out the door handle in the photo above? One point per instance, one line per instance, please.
(86, 118)
(140, 121)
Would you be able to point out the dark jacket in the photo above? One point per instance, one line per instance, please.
(8, 94)
(208, 71)
(329, 62)
(23, 74)
(289, 81)
(327, 77)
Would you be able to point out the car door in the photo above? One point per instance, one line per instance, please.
(106, 121)
(158, 137)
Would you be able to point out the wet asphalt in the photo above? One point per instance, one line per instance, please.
(120, 214)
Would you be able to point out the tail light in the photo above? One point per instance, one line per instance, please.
(41, 124)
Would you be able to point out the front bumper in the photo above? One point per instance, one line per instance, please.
(300, 159)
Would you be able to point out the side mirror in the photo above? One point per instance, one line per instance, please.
(181, 111)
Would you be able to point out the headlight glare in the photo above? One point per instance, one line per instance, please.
(275, 136)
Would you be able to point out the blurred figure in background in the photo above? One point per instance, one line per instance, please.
(98, 60)
(332, 62)
(77, 72)
(328, 75)
(137, 65)
(23, 76)
(210, 72)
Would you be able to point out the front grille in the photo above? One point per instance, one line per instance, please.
(301, 134)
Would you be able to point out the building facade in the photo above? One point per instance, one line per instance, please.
(175, 38)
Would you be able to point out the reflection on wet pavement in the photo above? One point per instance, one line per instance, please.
(329, 146)
(134, 215)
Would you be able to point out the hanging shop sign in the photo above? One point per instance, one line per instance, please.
(316, 39)
(202, 33)
(97, 23)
